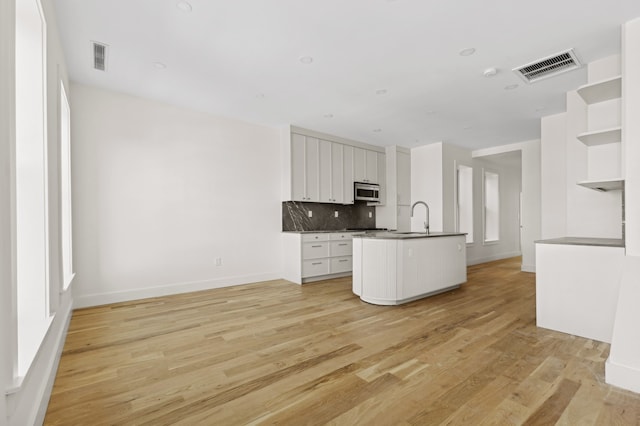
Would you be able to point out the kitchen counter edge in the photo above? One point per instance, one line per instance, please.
(584, 241)
(385, 235)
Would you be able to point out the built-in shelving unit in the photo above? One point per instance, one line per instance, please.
(603, 185)
(600, 91)
(593, 93)
(601, 137)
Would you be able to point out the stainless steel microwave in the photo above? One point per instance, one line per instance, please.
(366, 192)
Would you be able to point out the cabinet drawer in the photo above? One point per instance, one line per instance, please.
(341, 248)
(312, 268)
(341, 236)
(315, 237)
(341, 264)
(315, 250)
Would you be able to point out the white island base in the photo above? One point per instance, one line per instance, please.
(391, 269)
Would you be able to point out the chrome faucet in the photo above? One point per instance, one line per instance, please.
(426, 224)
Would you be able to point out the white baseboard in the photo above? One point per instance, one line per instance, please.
(492, 258)
(622, 376)
(84, 301)
(528, 268)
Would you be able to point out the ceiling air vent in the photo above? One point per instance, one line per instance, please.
(548, 67)
(99, 56)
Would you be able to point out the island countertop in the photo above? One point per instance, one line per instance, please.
(583, 241)
(394, 235)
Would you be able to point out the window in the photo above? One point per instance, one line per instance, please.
(491, 207)
(65, 188)
(464, 201)
(32, 233)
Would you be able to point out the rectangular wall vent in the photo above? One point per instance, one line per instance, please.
(99, 56)
(549, 66)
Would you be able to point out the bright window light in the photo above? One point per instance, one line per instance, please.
(491, 207)
(464, 201)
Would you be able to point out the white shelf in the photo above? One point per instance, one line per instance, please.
(601, 91)
(601, 137)
(603, 185)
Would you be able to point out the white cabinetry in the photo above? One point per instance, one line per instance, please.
(322, 168)
(577, 288)
(331, 172)
(317, 256)
(365, 165)
(396, 270)
(304, 168)
(348, 177)
(395, 214)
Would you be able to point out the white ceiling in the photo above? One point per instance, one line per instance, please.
(240, 58)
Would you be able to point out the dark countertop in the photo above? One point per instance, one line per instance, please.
(334, 231)
(391, 235)
(584, 241)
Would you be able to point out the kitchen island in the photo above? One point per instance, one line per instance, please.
(577, 285)
(392, 268)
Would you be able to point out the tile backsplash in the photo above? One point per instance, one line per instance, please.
(295, 216)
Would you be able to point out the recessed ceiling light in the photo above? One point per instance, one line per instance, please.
(260, 96)
(467, 52)
(381, 91)
(184, 6)
(377, 130)
(467, 127)
(328, 116)
(490, 72)
(306, 60)
(511, 87)
(431, 112)
(159, 65)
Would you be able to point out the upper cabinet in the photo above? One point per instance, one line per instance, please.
(331, 172)
(396, 175)
(323, 170)
(304, 168)
(365, 165)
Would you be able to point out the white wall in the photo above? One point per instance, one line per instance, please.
(623, 365)
(26, 404)
(530, 195)
(433, 181)
(427, 185)
(510, 187)
(161, 192)
(553, 175)
(631, 134)
(450, 155)
(7, 140)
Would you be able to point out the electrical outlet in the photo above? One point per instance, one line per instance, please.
(370, 214)
(310, 213)
(218, 261)
(335, 213)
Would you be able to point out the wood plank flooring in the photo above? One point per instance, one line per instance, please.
(278, 353)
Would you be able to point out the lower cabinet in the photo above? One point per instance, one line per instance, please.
(317, 256)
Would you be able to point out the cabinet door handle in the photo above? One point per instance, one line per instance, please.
(343, 260)
(343, 244)
(317, 263)
(316, 246)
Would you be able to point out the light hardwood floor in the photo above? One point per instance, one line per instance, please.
(276, 352)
